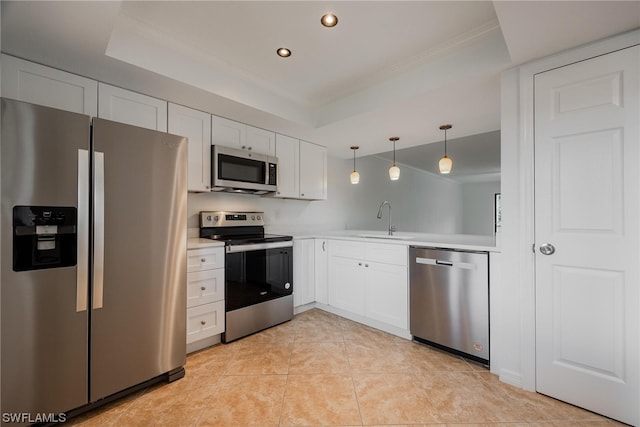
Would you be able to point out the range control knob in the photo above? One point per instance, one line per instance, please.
(208, 217)
(253, 217)
(259, 217)
(215, 218)
(287, 285)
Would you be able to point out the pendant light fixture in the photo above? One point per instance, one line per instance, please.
(394, 170)
(445, 162)
(355, 176)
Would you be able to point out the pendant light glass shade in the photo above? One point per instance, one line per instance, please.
(445, 164)
(355, 176)
(394, 170)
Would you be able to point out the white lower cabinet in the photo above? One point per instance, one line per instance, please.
(205, 296)
(321, 255)
(370, 280)
(304, 285)
(346, 278)
(205, 321)
(386, 294)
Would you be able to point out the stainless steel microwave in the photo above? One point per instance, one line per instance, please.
(241, 171)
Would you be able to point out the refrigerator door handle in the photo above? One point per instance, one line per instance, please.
(98, 230)
(82, 270)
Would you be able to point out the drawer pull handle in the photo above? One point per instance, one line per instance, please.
(203, 259)
(202, 288)
(202, 322)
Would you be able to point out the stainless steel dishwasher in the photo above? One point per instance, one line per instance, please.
(449, 300)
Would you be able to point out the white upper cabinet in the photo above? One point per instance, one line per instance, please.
(195, 125)
(288, 152)
(261, 141)
(313, 171)
(230, 133)
(34, 83)
(121, 105)
(302, 169)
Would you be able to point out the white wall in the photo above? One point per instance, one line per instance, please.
(515, 328)
(282, 215)
(420, 201)
(478, 207)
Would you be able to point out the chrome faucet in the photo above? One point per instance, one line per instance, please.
(379, 216)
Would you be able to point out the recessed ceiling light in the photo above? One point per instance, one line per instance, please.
(329, 20)
(283, 52)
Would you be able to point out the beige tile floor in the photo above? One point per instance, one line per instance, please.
(320, 370)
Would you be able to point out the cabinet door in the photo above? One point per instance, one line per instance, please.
(313, 171)
(195, 125)
(260, 141)
(385, 294)
(287, 152)
(205, 286)
(228, 133)
(303, 272)
(321, 270)
(132, 108)
(346, 284)
(205, 259)
(30, 82)
(205, 321)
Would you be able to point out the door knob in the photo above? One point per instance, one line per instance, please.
(547, 249)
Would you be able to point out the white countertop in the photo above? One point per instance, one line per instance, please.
(198, 243)
(468, 242)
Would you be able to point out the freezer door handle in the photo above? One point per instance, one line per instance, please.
(98, 230)
(82, 270)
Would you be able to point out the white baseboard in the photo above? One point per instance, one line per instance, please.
(511, 377)
(204, 343)
(402, 333)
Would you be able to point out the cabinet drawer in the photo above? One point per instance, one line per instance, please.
(205, 259)
(205, 321)
(347, 249)
(205, 286)
(387, 253)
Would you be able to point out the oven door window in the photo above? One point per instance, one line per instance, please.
(233, 168)
(253, 277)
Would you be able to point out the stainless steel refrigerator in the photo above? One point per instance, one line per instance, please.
(93, 258)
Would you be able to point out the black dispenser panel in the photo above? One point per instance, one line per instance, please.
(44, 237)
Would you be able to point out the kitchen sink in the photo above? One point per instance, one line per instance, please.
(385, 236)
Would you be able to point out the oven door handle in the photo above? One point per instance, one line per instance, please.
(259, 246)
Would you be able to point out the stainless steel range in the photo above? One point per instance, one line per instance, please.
(258, 275)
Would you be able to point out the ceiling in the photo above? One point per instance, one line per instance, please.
(389, 68)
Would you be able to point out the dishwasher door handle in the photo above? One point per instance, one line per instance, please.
(437, 262)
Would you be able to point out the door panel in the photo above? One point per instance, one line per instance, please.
(587, 182)
(44, 336)
(139, 332)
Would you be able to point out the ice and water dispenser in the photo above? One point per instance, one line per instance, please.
(44, 237)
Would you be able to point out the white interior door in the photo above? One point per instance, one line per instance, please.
(587, 188)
